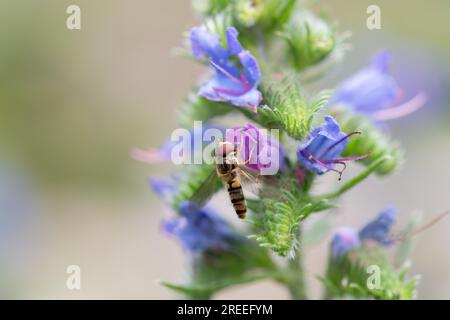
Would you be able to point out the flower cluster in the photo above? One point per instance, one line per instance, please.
(253, 73)
(377, 231)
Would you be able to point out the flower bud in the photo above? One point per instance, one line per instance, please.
(309, 39)
(247, 12)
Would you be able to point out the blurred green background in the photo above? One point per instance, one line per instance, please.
(74, 103)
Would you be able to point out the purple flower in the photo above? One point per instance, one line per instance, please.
(377, 230)
(232, 83)
(200, 229)
(257, 149)
(322, 149)
(374, 92)
(344, 240)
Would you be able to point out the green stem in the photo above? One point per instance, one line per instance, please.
(359, 178)
(296, 283)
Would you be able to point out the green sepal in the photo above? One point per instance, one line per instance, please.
(276, 219)
(286, 107)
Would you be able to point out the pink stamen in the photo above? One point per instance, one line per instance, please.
(401, 110)
(148, 156)
(226, 73)
(341, 161)
(242, 82)
(229, 92)
(311, 157)
(347, 159)
(338, 142)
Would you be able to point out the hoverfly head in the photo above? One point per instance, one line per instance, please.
(225, 152)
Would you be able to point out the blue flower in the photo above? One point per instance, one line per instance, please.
(200, 229)
(374, 92)
(344, 240)
(232, 83)
(163, 188)
(197, 229)
(377, 230)
(322, 149)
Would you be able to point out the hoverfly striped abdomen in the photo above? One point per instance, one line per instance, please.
(228, 171)
(237, 196)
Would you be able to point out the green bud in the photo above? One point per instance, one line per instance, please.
(247, 12)
(275, 14)
(309, 39)
(209, 7)
(288, 108)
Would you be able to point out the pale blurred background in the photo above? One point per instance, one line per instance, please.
(73, 104)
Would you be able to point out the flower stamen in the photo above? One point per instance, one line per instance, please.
(339, 142)
(242, 81)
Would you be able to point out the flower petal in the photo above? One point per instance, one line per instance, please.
(251, 67)
(369, 90)
(206, 44)
(379, 229)
(344, 241)
(234, 46)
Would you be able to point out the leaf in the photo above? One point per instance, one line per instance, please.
(190, 180)
(215, 270)
(276, 13)
(206, 291)
(190, 291)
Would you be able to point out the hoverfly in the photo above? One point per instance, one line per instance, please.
(232, 171)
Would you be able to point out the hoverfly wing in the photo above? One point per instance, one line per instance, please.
(258, 184)
(206, 190)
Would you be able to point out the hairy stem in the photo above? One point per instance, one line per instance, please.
(297, 285)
